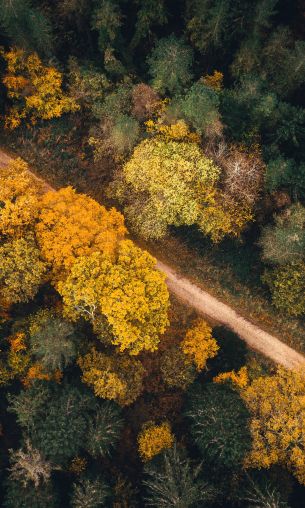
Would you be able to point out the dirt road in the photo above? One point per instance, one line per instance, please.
(205, 304)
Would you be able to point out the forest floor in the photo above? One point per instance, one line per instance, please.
(204, 303)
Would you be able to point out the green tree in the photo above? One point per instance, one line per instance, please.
(89, 493)
(284, 242)
(170, 65)
(58, 427)
(150, 15)
(26, 25)
(52, 340)
(287, 286)
(18, 496)
(104, 429)
(200, 108)
(216, 23)
(172, 481)
(261, 491)
(219, 424)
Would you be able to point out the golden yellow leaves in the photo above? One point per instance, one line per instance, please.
(35, 89)
(153, 439)
(277, 407)
(114, 377)
(240, 378)
(199, 345)
(277, 404)
(18, 198)
(128, 291)
(72, 225)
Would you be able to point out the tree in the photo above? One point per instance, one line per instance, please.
(18, 198)
(289, 73)
(153, 439)
(104, 430)
(170, 65)
(287, 286)
(151, 14)
(116, 378)
(219, 424)
(200, 108)
(52, 340)
(277, 407)
(129, 292)
(261, 491)
(22, 271)
(89, 493)
(172, 481)
(144, 101)
(216, 24)
(29, 466)
(18, 496)
(58, 425)
(115, 138)
(26, 25)
(243, 172)
(198, 344)
(284, 242)
(165, 182)
(28, 404)
(107, 21)
(35, 90)
(72, 225)
(176, 370)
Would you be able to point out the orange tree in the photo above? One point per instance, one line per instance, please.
(71, 225)
(128, 291)
(35, 90)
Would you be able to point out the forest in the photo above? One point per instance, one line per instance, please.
(137, 131)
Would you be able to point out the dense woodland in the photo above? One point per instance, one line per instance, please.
(173, 128)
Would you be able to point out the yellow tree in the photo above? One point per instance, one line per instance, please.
(277, 405)
(18, 198)
(198, 344)
(34, 89)
(72, 225)
(128, 291)
(115, 377)
(153, 439)
(161, 184)
(22, 270)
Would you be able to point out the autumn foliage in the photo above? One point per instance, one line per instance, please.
(128, 291)
(198, 344)
(118, 378)
(277, 405)
(35, 90)
(72, 225)
(153, 439)
(18, 198)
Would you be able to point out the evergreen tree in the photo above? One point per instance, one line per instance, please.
(89, 493)
(172, 482)
(219, 424)
(26, 26)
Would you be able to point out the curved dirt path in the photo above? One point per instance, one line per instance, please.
(207, 305)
